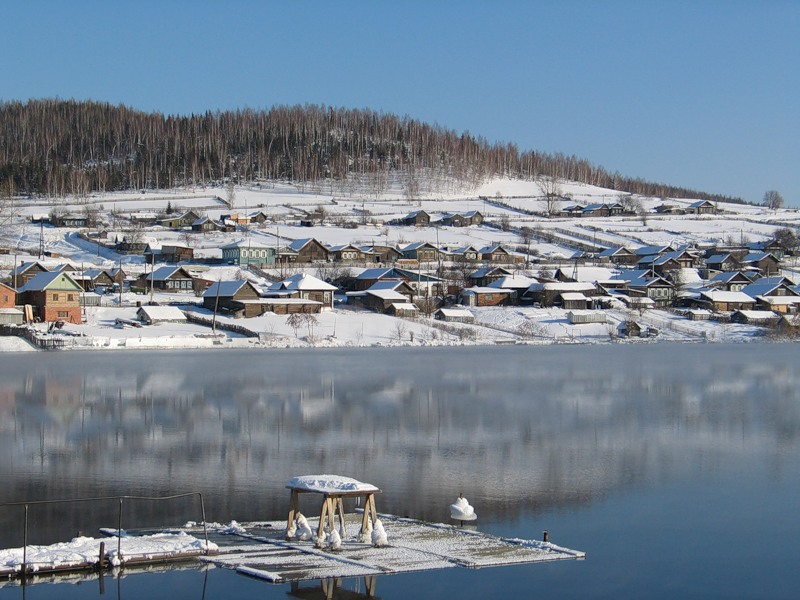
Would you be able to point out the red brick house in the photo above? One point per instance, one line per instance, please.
(54, 296)
(8, 296)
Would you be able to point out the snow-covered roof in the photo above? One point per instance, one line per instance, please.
(758, 315)
(329, 484)
(224, 288)
(43, 281)
(302, 281)
(456, 312)
(513, 282)
(162, 313)
(573, 296)
(386, 294)
(562, 286)
(723, 296)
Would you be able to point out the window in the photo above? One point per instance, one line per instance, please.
(70, 297)
(55, 297)
(63, 314)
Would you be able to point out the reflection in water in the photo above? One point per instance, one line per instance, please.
(512, 428)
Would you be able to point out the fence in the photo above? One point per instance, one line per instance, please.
(26, 567)
(38, 339)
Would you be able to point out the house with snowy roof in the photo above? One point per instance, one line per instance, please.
(642, 282)
(238, 298)
(516, 284)
(54, 296)
(381, 295)
(183, 220)
(764, 262)
(496, 253)
(167, 279)
(465, 219)
(418, 218)
(485, 275)
(304, 251)
(484, 296)
(719, 263)
(731, 281)
(153, 315)
(346, 253)
(549, 293)
(24, 272)
(304, 287)
(467, 253)
(701, 207)
(618, 255)
(421, 252)
(454, 314)
(722, 301)
(206, 224)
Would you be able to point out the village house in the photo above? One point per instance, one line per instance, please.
(153, 315)
(421, 252)
(486, 275)
(702, 207)
(454, 314)
(618, 255)
(603, 210)
(721, 301)
(465, 254)
(381, 295)
(174, 253)
(496, 253)
(732, 281)
(183, 220)
(246, 252)
(24, 272)
(167, 279)
(485, 296)
(764, 262)
(238, 298)
(304, 251)
(94, 279)
(516, 284)
(465, 219)
(70, 220)
(721, 263)
(304, 287)
(381, 253)
(346, 253)
(418, 218)
(763, 318)
(669, 209)
(644, 283)
(54, 296)
(549, 293)
(206, 225)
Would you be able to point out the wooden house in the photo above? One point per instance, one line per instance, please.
(174, 253)
(346, 253)
(721, 263)
(304, 251)
(764, 318)
(732, 281)
(549, 293)
(238, 298)
(95, 279)
(421, 252)
(486, 275)
(167, 279)
(726, 301)
(454, 314)
(495, 253)
(54, 296)
(644, 283)
(177, 222)
(206, 224)
(381, 253)
(465, 219)
(304, 287)
(764, 262)
(418, 218)
(153, 315)
(702, 207)
(246, 252)
(403, 309)
(382, 294)
(485, 296)
(24, 272)
(70, 220)
(618, 255)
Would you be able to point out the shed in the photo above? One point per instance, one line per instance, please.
(454, 315)
(152, 315)
(403, 309)
(11, 316)
(579, 317)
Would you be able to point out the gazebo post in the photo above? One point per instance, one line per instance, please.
(340, 507)
(292, 512)
(322, 514)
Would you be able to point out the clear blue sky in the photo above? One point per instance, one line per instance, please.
(697, 93)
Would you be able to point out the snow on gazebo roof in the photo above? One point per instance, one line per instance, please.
(329, 484)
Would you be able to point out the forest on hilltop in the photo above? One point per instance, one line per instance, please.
(66, 147)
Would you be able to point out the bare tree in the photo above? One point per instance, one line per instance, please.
(773, 199)
(551, 191)
(787, 239)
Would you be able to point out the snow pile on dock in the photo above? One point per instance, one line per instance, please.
(330, 484)
(85, 551)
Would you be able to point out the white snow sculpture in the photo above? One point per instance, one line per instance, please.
(461, 510)
(379, 534)
(334, 540)
(303, 528)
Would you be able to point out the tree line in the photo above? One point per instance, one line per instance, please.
(67, 147)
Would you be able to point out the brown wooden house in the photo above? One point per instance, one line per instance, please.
(8, 296)
(238, 298)
(304, 251)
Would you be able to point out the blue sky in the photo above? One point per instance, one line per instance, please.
(702, 94)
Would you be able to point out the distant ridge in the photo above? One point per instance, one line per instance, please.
(68, 147)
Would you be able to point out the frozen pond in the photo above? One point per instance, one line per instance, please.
(675, 467)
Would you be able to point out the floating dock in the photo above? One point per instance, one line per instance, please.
(412, 546)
